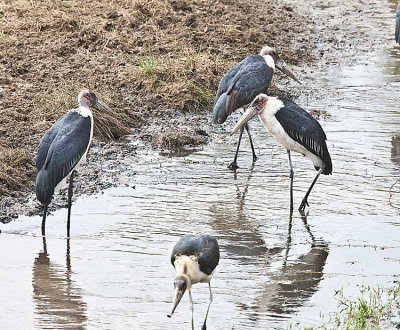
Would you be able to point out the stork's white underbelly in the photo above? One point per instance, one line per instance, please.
(275, 128)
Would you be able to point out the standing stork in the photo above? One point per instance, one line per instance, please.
(242, 83)
(296, 130)
(397, 28)
(194, 259)
(63, 148)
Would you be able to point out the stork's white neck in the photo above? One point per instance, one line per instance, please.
(83, 111)
(271, 108)
(270, 61)
(188, 266)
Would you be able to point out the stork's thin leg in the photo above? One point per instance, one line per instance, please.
(288, 240)
(233, 165)
(204, 327)
(191, 307)
(44, 245)
(70, 187)
(251, 143)
(304, 202)
(291, 174)
(44, 220)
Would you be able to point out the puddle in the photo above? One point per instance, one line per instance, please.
(115, 272)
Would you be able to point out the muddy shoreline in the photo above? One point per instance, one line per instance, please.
(331, 35)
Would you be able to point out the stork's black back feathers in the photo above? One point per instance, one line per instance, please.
(240, 85)
(305, 130)
(204, 247)
(60, 150)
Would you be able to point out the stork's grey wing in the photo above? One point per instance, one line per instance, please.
(204, 247)
(183, 247)
(208, 257)
(226, 80)
(397, 29)
(253, 77)
(247, 85)
(47, 140)
(65, 151)
(304, 129)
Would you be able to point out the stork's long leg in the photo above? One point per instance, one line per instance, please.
(288, 240)
(233, 165)
(204, 327)
(304, 202)
(291, 174)
(191, 307)
(70, 188)
(251, 143)
(44, 220)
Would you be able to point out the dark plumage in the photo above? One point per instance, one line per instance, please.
(242, 83)
(204, 247)
(60, 150)
(194, 259)
(296, 130)
(306, 130)
(63, 148)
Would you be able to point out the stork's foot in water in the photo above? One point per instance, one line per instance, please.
(204, 327)
(303, 205)
(254, 158)
(233, 166)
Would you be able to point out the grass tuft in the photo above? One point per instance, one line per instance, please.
(16, 169)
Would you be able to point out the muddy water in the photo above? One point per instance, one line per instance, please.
(115, 271)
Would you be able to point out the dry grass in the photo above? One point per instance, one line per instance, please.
(141, 57)
(15, 168)
(177, 139)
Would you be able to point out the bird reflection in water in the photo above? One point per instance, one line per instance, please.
(288, 286)
(297, 280)
(245, 242)
(395, 152)
(58, 301)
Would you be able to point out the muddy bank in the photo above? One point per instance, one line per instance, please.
(126, 54)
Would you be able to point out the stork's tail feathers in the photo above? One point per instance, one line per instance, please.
(44, 186)
(328, 164)
(219, 113)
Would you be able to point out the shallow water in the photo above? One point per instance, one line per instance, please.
(115, 271)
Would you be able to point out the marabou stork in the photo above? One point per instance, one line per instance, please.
(296, 130)
(63, 148)
(397, 29)
(194, 259)
(242, 83)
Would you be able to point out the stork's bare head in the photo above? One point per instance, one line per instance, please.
(256, 107)
(89, 100)
(279, 63)
(180, 285)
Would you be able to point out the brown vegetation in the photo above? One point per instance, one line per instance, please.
(141, 57)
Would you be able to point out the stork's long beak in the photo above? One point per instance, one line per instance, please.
(177, 298)
(281, 65)
(100, 105)
(249, 113)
